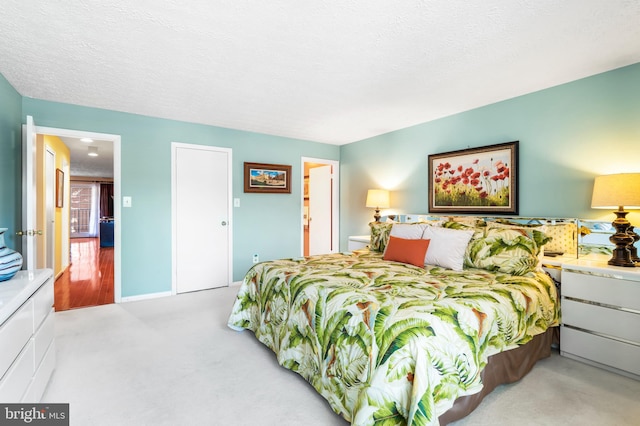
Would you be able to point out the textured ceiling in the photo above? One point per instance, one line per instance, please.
(332, 71)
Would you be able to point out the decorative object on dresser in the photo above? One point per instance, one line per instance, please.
(27, 355)
(10, 260)
(601, 315)
(477, 180)
(377, 199)
(619, 190)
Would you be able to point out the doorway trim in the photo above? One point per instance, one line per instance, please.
(115, 139)
(49, 215)
(335, 200)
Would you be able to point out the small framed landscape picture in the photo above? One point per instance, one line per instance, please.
(269, 178)
(59, 188)
(476, 180)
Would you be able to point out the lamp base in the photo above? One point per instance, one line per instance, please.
(622, 240)
(632, 248)
(377, 215)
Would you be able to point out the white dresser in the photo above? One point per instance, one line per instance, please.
(357, 242)
(601, 315)
(27, 354)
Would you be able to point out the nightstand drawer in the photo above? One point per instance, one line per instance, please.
(604, 351)
(605, 290)
(608, 321)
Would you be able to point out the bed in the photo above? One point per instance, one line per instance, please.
(388, 341)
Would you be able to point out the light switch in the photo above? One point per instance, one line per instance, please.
(236, 202)
(126, 201)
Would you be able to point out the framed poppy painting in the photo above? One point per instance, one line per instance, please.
(476, 180)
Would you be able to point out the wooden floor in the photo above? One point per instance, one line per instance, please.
(89, 279)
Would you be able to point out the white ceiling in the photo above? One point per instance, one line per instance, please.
(333, 71)
(81, 164)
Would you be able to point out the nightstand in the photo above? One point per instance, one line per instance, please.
(358, 242)
(601, 315)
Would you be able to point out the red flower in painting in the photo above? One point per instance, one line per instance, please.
(483, 194)
(476, 161)
(486, 173)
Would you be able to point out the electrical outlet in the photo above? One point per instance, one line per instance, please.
(256, 258)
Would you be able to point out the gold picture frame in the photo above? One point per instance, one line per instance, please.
(59, 188)
(477, 180)
(267, 178)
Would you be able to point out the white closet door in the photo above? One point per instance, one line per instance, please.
(201, 206)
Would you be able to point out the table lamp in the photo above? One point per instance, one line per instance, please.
(619, 190)
(378, 199)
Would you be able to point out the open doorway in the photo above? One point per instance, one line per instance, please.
(320, 224)
(83, 247)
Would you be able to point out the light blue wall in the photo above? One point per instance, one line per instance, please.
(10, 162)
(568, 134)
(268, 224)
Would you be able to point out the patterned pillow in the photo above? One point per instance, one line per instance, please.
(379, 235)
(563, 237)
(508, 250)
(535, 232)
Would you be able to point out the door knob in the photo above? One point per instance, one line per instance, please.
(29, 233)
(224, 223)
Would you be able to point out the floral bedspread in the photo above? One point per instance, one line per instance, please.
(389, 343)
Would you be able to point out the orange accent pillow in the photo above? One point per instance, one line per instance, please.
(406, 251)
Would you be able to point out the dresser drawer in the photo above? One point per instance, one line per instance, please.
(604, 290)
(42, 376)
(608, 321)
(612, 353)
(42, 339)
(14, 335)
(15, 382)
(42, 303)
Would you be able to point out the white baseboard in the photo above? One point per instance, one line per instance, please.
(146, 296)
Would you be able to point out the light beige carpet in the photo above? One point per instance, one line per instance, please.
(173, 361)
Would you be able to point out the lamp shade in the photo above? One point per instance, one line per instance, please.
(378, 198)
(613, 191)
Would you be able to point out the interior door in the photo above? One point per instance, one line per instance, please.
(29, 231)
(320, 235)
(201, 205)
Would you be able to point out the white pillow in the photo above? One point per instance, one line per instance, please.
(408, 231)
(447, 246)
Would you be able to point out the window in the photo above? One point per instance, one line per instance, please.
(84, 209)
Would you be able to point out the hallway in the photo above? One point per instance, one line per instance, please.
(89, 279)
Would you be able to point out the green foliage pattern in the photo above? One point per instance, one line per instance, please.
(387, 343)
